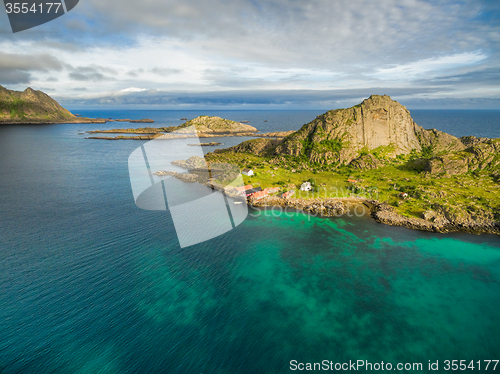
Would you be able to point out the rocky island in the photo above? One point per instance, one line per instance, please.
(377, 155)
(206, 127)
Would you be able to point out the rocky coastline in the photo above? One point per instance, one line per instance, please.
(211, 144)
(33, 121)
(380, 212)
(150, 134)
(439, 221)
(77, 120)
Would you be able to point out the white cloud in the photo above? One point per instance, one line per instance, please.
(429, 67)
(207, 46)
(133, 89)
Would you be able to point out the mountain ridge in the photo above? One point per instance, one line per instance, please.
(30, 106)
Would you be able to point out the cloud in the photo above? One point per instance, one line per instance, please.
(18, 68)
(482, 76)
(316, 33)
(200, 48)
(164, 71)
(232, 98)
(428, 66)
(92, 73)
(12, 76)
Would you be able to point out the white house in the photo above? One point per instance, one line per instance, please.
(247, 172)
(306, 186)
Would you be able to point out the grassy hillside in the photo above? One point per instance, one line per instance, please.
(30, 106)
(474, 192)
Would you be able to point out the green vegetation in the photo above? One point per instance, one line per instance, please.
(333, 145)
(16, 108)
(383, 151)
(427, 151)
(473, 191)
(30, 106)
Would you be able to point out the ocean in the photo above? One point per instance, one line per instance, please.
(89, 283)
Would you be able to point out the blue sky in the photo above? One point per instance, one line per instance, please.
(260, 54)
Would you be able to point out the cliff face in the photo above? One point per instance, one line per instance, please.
(378, 125)
(30, 106)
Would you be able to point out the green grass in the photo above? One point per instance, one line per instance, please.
(469, 191)
(14, 107)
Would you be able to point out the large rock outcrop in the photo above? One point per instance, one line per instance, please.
(378, 125)
(261, 146)
(482, 154)
(365, 162)
(214, 125)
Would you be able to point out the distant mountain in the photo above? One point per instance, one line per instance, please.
(30, 106)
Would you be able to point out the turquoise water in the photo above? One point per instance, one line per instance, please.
(91, 284)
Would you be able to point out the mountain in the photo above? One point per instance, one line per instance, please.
(30, 106)
(379, 126)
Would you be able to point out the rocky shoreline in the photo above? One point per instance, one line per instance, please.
(386, 214)
(154, 135)
(439, 221)
(442, 222)
(77, 120)
(334, 207)
(381, 212)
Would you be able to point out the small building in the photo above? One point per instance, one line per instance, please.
(306, 186)
(250, 192)
(352, 180)
(288, 194)
(259, 195)
(404, 195)
(247, 172)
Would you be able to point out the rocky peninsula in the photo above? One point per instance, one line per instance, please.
(404, 174)
(32, 107)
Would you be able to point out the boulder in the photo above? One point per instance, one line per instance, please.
(365, 162)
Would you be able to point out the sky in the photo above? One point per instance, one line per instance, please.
(272, 54)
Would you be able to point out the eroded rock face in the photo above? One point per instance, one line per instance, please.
(378, 124)
(339, 135)
(438, 141)
(365, 162)
(440, 219)
(255, 146)
(447, 165)
(470, 141)
(483, 154)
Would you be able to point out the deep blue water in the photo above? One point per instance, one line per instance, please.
(480, 123)
(89, 283)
